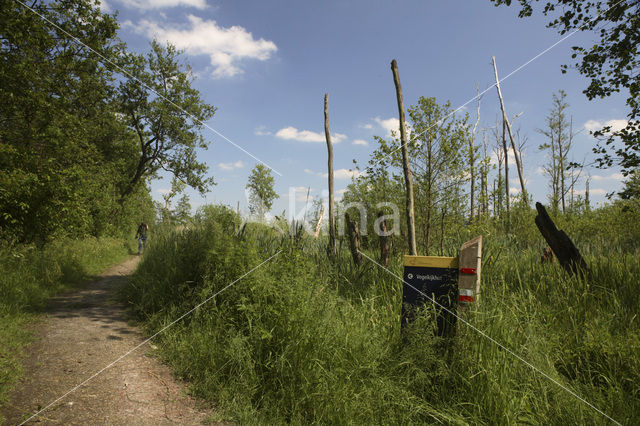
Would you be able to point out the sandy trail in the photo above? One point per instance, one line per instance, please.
(83, 332)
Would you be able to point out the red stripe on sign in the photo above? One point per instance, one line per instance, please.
(468, 271)
(466, 299)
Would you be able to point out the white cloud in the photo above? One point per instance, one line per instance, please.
(614, 176)
(344, 174)
(367, 126)
(224, 46)
(615, 124)
(513, 190)
(390, 124)
(163, 191)
(494, 157)
(160, 4)
(262, 131)
(597, 191)
(309, 171)
(231, 166)
(291, 133)
(540, 171)
(360, 142)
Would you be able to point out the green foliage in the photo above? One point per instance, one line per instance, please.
(261, 192)
(611, 63)
(165, 114)
(304, 340)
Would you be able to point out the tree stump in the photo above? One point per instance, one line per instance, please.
(566, 252)
(354, 239)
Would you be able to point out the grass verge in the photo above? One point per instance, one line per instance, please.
(30, 276)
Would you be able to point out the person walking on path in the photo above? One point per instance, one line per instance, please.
(141, 235)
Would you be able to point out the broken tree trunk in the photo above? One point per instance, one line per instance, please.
(408, 179)
(516, 155)
(566, 252)
(384, 240)
(319, 224)
(354, 240)
(332, 214)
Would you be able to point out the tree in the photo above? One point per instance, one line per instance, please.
(261, 192)
(166, 114)
(611, 64)
(631, 190)
(63, 151)
(560, 139)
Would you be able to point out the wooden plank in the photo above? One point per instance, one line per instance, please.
(470, 260)
(431, 261)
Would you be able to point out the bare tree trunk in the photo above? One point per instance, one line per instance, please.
(586, 195)
(354, 239)
(408, 179)
(506, 172)
(472, 159)
(505, 118)
(384, 241)
(332, 214)
(562, 246)
(319, 224)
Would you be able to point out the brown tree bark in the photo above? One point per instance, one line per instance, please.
(354, 239)
(408, 178)
(566, 252)
(505, 118)
(384, 241)
(332, 214)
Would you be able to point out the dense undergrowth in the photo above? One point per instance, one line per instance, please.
(30, 276)
(303, 340)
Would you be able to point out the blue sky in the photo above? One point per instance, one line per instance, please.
(267, 65)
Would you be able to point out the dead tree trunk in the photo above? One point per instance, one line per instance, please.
(506, 175)
(408, 179)
(562, 246)
(384, 240)
(472, 158)
(332, 214)
(319, 224)
(505, 118)
(354, 239)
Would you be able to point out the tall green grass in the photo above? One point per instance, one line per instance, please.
(304, 340)
(29, 276)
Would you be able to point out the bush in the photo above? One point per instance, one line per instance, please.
(306, 340)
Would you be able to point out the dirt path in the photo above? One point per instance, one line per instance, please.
(83, 332)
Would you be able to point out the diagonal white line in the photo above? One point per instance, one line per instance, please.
(148, 339)
(123, 71)
(494, 341)
(507, 76)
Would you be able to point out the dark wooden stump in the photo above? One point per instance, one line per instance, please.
(566, 252)
(384, 240)
(354, 239)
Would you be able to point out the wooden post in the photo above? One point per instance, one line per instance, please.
(408, 178)
(354, 239)
(562, 246)
(332, 214)
(508, 124)
(384, 240)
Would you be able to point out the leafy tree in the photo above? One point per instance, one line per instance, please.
(560, 140)
(631, 188)
(611, 63)
(166, 114)
(261, 192)
(438, 158)
(63, 151)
